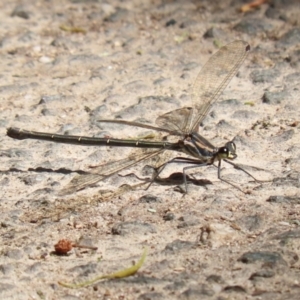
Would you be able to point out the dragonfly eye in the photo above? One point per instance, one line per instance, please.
(228, 151)
(223, 152)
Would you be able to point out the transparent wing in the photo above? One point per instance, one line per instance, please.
(137, 124)
(210, 82)
(215, 76)
(102, 172)
(176, 120)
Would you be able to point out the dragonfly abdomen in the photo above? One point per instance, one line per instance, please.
(21, 134)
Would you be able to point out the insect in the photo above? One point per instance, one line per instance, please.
(182, 123)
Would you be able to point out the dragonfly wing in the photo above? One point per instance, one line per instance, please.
(214, 77)
(135, 124)
(209, 84)
(176, 120)
(104, 171)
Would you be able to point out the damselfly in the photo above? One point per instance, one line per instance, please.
(183, 123)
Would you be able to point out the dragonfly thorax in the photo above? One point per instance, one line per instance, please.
(227, 152)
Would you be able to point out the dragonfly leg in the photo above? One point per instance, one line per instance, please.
(240, 168)
(228, 182)
(158, 170)
(185, 160)
(191, 167)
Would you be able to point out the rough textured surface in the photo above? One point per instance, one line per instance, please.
(65, 65)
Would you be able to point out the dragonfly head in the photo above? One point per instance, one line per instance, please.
(227, 152)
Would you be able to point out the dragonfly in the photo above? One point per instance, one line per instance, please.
(182, 123)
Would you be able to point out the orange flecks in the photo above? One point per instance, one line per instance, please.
(252, 5)
(63, 247)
